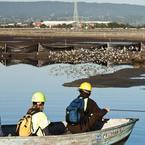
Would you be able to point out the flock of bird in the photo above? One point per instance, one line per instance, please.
(104, 55)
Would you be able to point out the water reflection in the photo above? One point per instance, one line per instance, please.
(122, 142)
(71, 71)
(82, 70)
(30, 61)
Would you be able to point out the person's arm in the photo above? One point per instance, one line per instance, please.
(97, 111)
(93, 114)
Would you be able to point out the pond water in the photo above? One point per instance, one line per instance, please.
(18, 82)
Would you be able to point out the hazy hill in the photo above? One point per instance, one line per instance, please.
(16, 11)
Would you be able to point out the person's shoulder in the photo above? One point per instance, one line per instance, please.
(40, 114)
(91, 100)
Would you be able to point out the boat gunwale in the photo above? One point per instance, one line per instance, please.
(131, 121)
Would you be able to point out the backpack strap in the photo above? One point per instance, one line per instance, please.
(35, 134)
(31, 112)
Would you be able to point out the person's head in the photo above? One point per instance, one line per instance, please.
(38, 100)
(85, 89)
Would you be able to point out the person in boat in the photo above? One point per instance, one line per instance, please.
(1, 132)
(91, 114)
(40, 121)
(41, 125)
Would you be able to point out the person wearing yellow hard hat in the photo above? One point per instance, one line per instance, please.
(89, 114)
(45, 126)
(39, 120)
(41, 126)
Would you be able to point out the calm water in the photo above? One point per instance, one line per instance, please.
(18, 82)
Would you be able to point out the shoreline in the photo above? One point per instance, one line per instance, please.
(72, 35)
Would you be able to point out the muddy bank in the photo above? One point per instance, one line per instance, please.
(54, 35)
(124, 78)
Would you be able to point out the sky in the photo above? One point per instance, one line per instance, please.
(137, 2)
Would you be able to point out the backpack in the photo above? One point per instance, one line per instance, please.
(73, 111)
(24, 126)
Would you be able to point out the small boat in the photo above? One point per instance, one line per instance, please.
(113, 131)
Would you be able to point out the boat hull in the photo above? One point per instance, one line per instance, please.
(106, 136)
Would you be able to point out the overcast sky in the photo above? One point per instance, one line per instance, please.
(138, 2)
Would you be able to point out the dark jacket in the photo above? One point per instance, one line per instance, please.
(89, 118)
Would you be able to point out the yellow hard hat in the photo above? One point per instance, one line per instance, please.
(86, 86)
(38, 97)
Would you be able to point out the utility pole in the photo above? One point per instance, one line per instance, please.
(75, 15)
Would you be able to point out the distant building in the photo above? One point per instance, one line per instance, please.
(92, 24)
(19, 24)
(37, 24)
(55, 23)
(51, 24)
(96, 22)
(11, 24)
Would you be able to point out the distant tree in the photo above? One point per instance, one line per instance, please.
(43, 26)
(31, 24)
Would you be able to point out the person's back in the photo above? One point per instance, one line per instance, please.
(38, 117)
(40, 125)
(91, 112)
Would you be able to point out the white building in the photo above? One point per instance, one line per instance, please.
(55, 23)
(96, 22)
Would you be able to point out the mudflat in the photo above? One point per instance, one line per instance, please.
(128, 77)
(109, 34)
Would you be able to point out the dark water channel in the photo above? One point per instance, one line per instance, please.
(18, 82)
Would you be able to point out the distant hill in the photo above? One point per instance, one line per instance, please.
(32, 11)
